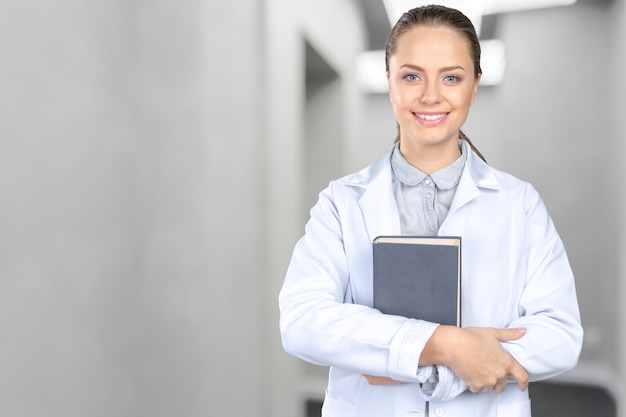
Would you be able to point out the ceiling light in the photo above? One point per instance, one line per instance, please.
(370, 70)
(492, 61)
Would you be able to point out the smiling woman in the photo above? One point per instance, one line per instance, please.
(519, 306)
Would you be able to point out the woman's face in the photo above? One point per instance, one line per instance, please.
(431, 85)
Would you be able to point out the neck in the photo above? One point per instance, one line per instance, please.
(430, 158)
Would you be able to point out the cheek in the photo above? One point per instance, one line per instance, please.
(394, 99)
(396, 93)
(463, 100)
(399, 106)
(398, 99)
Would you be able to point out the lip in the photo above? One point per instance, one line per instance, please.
(430, 118)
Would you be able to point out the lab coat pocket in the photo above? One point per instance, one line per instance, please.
(333, 407)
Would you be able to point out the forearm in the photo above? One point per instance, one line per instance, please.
(353, 337)
(550, 347)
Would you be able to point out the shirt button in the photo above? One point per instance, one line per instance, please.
(427, 182)
(428, 195)
(440, 411)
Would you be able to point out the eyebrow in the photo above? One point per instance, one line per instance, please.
(444, 69)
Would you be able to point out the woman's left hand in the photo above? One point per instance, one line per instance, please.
(380, 380)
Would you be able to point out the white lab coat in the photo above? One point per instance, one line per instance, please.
(515, 273)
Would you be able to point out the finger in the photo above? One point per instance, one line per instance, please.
(501, 385)
(473, 389)
(372, 380)
(506, 335)
(519, 374)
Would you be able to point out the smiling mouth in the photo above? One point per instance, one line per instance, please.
(430, 117)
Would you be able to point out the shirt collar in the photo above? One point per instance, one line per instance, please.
(446, 178)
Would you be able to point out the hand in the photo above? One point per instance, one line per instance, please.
(483, 363)
(380, 380)
(476, 355)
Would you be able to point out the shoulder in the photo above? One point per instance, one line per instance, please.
(512, 183)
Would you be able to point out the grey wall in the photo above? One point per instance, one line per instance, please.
(617, 63)
(67, 210)
(300, 155)
(150, 177)
(132, 272)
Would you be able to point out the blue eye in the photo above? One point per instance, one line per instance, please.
(451, 78)
(411, 77)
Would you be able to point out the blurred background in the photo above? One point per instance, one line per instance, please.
(158, 159)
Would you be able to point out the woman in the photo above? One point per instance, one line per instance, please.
(519, 309)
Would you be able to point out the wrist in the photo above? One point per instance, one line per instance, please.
(437, 350)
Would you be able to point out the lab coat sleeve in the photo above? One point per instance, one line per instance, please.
(320, 326)
(548, 306)
(442, 385)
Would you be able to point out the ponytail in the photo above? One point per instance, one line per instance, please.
(469, 142)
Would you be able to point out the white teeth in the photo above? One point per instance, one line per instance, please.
(431, 116)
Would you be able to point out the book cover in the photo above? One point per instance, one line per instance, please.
(418, 277)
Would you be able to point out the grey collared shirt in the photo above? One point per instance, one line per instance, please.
(424, 200)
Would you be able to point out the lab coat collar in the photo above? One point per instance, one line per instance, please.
(476, 175)
(378, 204)
(482, 175)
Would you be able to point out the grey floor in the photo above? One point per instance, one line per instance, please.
(571, 400)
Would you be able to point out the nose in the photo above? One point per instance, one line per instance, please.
(431, 93)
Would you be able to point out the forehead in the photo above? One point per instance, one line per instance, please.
(432, 44)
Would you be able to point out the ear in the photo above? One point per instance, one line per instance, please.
(476, 84)
(388, 84)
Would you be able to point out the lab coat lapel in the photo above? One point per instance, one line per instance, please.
(466, 192)
(476, 174)
(378, 204)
